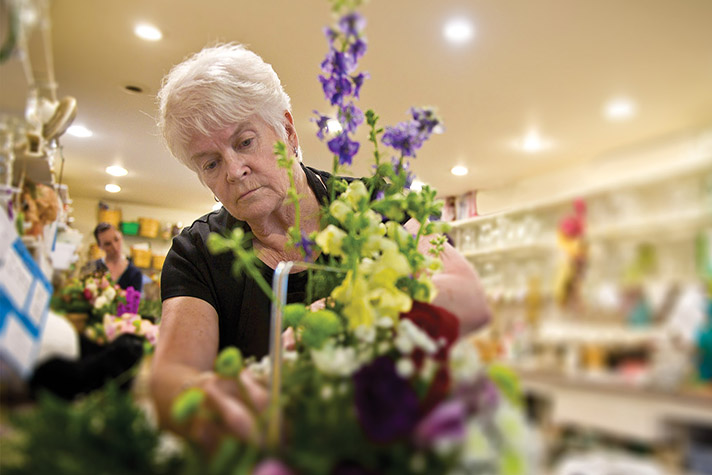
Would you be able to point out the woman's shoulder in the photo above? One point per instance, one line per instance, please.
(215, 221)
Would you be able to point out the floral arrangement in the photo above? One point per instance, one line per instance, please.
(377, 381)
(111, 310)
(94, 294)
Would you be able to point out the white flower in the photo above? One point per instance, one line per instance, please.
(365, 333)
(405, 367)
(335, 360)
(326, 392)
(465, 364)
(109, 293)
(410, 337)
(100, 301)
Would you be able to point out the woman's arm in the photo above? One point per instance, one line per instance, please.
(459, 287)
(185, 354)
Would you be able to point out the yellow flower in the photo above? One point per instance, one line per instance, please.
(339, 210)
(330, 240)
(355, 193)
(353, 294)
(389, 301)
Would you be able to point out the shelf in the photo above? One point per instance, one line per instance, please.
(625, 410)
(528, 248)
(658, 227)
(674, 171)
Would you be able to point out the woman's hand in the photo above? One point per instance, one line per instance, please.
(233, 409)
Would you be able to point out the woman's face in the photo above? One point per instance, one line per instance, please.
(239, 166)
(111, 242)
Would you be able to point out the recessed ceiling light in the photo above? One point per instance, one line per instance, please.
(619, 109)
(148, 32)
(459, 170)
(111, 188)
(79, 131)
(458, 31)
(116, 170)
(533, 142)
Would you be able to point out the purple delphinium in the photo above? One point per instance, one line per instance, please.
(344, 147)
(402, 165)
(350, 117)
(346, 47)
(407, 137)
(444, 422)
(321, 122)
(307, 245)
(386, 405)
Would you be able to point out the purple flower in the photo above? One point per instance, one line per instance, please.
(404, 137)
(386, 404)
(426, 119)
(480, 397)
(398, 166)
(331, 34)
(306, 244)
(338, 63)
(352, 24)
(444, 422)
(350, 117)
(358, 82)
(321, 122)
(358, 48)
(133, 299)
(335, 88)
(344, 147)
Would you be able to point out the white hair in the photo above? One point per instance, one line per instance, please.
(214, 88)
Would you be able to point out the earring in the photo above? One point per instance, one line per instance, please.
(296, 150)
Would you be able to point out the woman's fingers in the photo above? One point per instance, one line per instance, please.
(318, 305)
(235, 415)
(288, 340)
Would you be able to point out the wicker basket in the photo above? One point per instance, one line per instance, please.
(148, 227)
(157, 261)
(141, 257)
(111, 216)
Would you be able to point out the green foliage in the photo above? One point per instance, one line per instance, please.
(229, 362)
(106, 433)
(507, 381)
(187, 404)
(319, 326)
(293, 314)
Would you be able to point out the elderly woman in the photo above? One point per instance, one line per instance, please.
(221, 113)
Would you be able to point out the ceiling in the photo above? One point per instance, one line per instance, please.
(549, 65)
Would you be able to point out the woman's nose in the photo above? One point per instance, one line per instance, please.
(236, 167)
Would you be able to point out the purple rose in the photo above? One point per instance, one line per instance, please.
(386, 404)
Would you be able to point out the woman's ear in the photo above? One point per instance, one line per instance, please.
(292, 137)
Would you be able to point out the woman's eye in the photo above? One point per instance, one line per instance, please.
(210, 165)
(246, 143)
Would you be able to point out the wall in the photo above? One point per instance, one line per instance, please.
(686, 149)
(85, 219)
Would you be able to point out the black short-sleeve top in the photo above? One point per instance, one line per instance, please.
(243, 309)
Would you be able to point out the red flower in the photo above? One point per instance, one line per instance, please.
(87, 294)
(438, 323)
(439, 389)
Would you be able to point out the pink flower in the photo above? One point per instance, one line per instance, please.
(272, 466)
